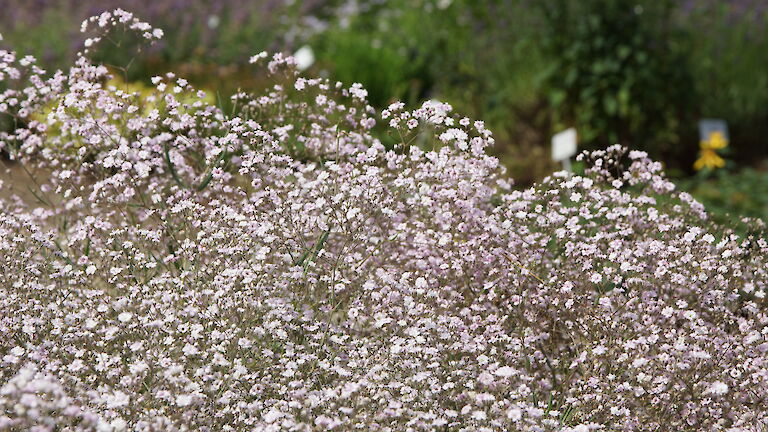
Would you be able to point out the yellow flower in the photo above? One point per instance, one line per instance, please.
(708, 157)
(716, 141)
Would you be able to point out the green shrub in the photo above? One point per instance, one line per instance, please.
(729, 60)
(619, 73)
(640, 73)
(483, 58)
(729, 196)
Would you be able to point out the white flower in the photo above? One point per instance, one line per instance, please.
(351, 213)
(125, 317)
(515, 414)
(118, 425)
(479, 415)
(183, 400)
(117, 399)
(272, 415)
(717, 388)
(257, 57)
(505, 372)
(358, 91)
(190, 349)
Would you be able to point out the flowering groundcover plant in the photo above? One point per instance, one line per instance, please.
(277, 268)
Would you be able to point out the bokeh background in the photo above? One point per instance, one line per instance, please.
(641, 73)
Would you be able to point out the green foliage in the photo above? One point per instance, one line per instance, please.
(619, 73)
(729, 195)
(640, 73)
(729, 60)
(49, 39)
(481, 57)
(384, 70)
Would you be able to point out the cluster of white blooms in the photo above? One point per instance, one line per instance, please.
(176, 267)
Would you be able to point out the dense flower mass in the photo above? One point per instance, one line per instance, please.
(168, 265)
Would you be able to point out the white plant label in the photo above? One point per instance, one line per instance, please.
(305, 58)
(564, 147)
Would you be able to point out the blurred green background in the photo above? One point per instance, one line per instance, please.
(641, 73)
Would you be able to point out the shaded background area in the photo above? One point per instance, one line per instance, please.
(641, 73)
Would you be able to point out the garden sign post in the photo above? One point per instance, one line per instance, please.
(564, 147)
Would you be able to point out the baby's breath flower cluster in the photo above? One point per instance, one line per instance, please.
(177, 267)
